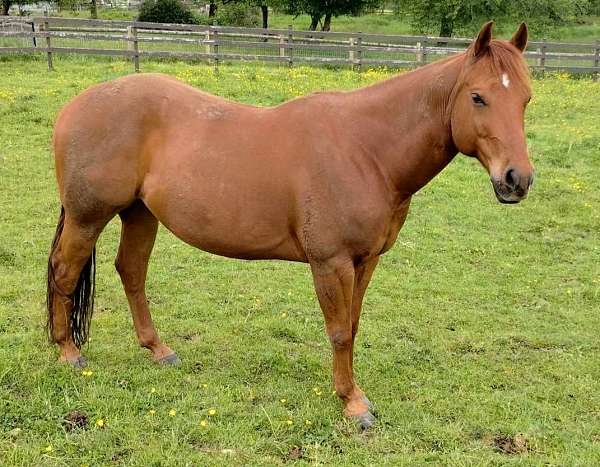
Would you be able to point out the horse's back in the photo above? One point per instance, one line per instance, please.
(104, 137)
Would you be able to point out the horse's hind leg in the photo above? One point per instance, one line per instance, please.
(138, 233)
(70, 286)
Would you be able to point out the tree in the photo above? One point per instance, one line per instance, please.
(94, 9)
(447, 17)
(264, 6)
(326, 9)
(166, 11)
(6, 4)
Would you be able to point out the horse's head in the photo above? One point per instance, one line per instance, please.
(487, 117)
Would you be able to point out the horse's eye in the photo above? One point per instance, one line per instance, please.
(477, 99)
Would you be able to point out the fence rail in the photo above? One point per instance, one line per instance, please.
(137, 40)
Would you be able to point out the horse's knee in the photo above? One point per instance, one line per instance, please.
(341, 339)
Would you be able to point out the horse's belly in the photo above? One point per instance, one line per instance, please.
(227, 220)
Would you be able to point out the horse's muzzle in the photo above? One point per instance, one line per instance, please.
(513, 187)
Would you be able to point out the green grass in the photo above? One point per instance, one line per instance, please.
(481, 323)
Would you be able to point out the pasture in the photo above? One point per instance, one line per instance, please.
(478, 344)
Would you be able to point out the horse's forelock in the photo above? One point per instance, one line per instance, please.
(503, 57)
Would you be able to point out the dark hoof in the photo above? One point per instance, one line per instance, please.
(78, 363)
(172, 359)
(370, 405)
(365, 421)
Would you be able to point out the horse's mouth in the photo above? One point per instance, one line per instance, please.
(506, 196)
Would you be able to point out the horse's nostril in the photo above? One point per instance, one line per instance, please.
(509, 178)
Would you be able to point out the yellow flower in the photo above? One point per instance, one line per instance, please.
(307, 422)
(289, 422)
(172, 412)
(152, 391)
(152, 411)
(283, 315)
(49, 448)
(205, 385)
(212, 412)
(87, 372)
(100, 423)
(283, 401)
(203, 423)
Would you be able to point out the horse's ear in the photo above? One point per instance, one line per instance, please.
(482, 43)
(519, 39)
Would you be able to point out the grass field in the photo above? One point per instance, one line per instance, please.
(479, 341)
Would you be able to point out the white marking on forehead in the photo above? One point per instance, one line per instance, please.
(505, 80)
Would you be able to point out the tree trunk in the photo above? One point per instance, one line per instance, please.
(5, 7)
(327, 22)
(265, 16)
(212, 9)
(447, 26)
(94, 10)
(314, 21)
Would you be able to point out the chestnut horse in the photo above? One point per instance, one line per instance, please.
(325, 179)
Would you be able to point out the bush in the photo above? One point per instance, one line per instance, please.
(166, 11)
(238, 14)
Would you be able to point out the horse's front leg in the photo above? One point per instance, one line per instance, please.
(334, 283)
(362, 276)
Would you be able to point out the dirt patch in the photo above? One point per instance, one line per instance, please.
(294, 454)
(511, 444)
(75, 420)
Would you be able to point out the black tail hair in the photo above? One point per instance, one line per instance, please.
(82, 298)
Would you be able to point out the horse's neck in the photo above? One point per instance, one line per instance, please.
(411, 139)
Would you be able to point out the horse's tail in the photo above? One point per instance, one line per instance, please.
(82, 298)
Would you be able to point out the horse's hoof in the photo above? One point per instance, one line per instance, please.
(365, 420)
(171, 359)
(79, 362)
(370, 405)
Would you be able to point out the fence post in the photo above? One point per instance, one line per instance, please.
(423, 55)
(290, 46)
(419, 53)
(351, 51)
(216, 49)
(132, 45)
(48, 45)
(542, 59)
(207, 47)
(33, 31)
(359, 51)
(597, 61)
(281, 45)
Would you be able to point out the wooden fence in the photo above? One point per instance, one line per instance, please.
(137, 40)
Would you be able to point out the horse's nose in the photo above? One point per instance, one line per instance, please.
(517, 182)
